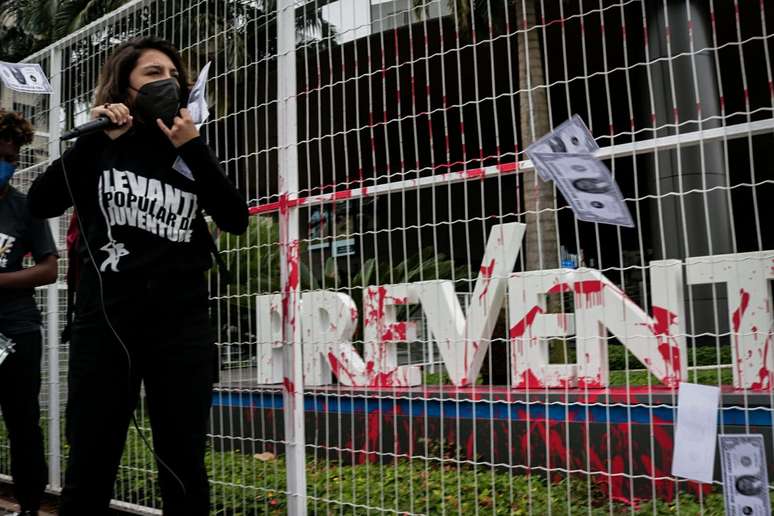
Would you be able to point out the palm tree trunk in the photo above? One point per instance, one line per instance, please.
(541, 235)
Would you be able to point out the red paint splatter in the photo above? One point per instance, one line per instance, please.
(283, 204)
(374, 315)
(664, 443)
(291, 286)
(508, 167)
(486, 275)
(293, 269)
(592, 290)
(528, 380)
(343, 194)
(664, 319)
(338, 368)
(588, 287)
(668, 346)
(671, 356)
(590, 382)
(765, 377)
(369, 378)
(564, 383)
(556, 445)
(736, 317)
(520, 328)
(289, 386)
(470, 445)
(616, 479)
(264, 208)
(475, 173)
(371, 447)
(558, 288)
(383, 379)
(736, 321)
(375, 309)
(396, 332)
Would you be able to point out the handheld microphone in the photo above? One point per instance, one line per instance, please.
(89, 127)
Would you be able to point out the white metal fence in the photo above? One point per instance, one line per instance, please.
(380, 146)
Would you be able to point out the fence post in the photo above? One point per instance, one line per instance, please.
(287, 136)
(52, 292)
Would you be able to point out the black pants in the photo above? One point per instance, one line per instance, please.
(164, 325)
(19, 390)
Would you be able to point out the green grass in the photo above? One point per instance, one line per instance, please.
(640, 378)
(636, 378)
(242, 485)
(625, 369)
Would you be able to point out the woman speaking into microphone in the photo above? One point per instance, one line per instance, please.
(141, 309)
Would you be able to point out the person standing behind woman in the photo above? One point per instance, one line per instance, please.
(20, 320)
(141, 309)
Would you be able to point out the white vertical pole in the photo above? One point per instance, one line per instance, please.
(293, 383)
(52, 311)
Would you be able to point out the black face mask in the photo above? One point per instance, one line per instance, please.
(158, 99)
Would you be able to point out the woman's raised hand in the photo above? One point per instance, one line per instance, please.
(118, 114)
(183, 128)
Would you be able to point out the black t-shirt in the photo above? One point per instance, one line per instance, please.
(140, 216)
(20, 233)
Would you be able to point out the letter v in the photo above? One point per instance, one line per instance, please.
(463, 342)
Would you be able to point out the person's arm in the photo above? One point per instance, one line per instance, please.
(48, 196)
(43, 248)
(42, 273)
(217, 195)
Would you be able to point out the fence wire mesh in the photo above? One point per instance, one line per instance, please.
(392, 339)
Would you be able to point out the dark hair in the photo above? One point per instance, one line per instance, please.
(113, 84)
(15, 128)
